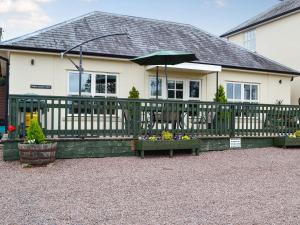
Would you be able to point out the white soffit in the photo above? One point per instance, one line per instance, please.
(191, 66)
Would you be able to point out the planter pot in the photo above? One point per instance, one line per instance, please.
(143, 146)
(287, 142)
(37, 154)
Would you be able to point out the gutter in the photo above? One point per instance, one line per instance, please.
(260, 22)
(6, 47)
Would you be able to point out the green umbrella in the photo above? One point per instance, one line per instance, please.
(164, 58)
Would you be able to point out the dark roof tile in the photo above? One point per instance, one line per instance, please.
(146, 36)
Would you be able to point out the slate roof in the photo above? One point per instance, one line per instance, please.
(146, 36)
(280, 9)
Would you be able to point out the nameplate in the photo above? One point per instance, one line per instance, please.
(36, 86)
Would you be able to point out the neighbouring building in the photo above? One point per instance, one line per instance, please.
(275, 34)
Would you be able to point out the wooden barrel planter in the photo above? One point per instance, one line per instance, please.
(37, 154)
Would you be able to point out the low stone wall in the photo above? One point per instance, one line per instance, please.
(68, 149)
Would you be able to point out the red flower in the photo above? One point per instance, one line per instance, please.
(11, 128)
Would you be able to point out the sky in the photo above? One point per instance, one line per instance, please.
(19, 17)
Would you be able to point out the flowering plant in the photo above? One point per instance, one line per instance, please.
(167, 136)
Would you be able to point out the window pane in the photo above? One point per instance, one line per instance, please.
(153, 87)
(194, 89)
(171, 84)
(179, 94)
(230, 91)
(254, 92)
(100, 84)
(111, 84)
(238, 91)
(171, 94)
(247, 92)
(179, 85)
(86, 83)
(74, 82)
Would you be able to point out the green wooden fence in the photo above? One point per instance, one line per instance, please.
(72, 117)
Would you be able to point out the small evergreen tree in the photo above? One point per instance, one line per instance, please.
(134, 93)
(220, 96)
(35, 133)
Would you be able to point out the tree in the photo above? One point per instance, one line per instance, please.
(134, 93)
(220, 96)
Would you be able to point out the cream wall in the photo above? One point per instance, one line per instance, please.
(52, 70)
(270, 90)
(279, 40)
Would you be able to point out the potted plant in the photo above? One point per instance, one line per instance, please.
(168, 141)
(36, 150)
(292, 140)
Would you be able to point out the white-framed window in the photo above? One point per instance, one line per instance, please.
(250, 40)
(152, 87)
(86, 83)
(175, 89)
(194, 89)
(93, 84)
(186, 89)
(242, 92)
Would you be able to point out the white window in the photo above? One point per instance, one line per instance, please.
(86, 83)
(194, 89)
(175, 89)
(106, 84)
(152, 88)
(250, 40)
(242, 92)
(93, 84)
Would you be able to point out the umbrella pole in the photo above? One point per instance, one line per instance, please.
(157, 83)
(166, 79)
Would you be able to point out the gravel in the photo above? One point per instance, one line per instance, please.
(259, 186)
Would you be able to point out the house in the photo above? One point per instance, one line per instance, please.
(36, 65)
(274, 34)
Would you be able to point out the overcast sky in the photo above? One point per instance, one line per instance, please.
(18, 17)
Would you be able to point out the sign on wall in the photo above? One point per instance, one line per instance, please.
(235, 143)
(37, 86)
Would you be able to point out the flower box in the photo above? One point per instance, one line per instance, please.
(286, 142)
(146, 145)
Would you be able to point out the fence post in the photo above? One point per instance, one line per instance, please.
(232, 120)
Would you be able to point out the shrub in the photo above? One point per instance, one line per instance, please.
(167, 136)
(134, 93)
(297, 133)
(35, 134)
(220, 96)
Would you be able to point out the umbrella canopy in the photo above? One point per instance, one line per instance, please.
(165, 58)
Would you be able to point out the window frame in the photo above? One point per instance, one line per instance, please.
(243, 100)
(186, 88)
(249, 41)
(162, 87)
(93, 84)
(200, 90)
(175, 89)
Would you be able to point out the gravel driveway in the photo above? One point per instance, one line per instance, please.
(259, 186)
